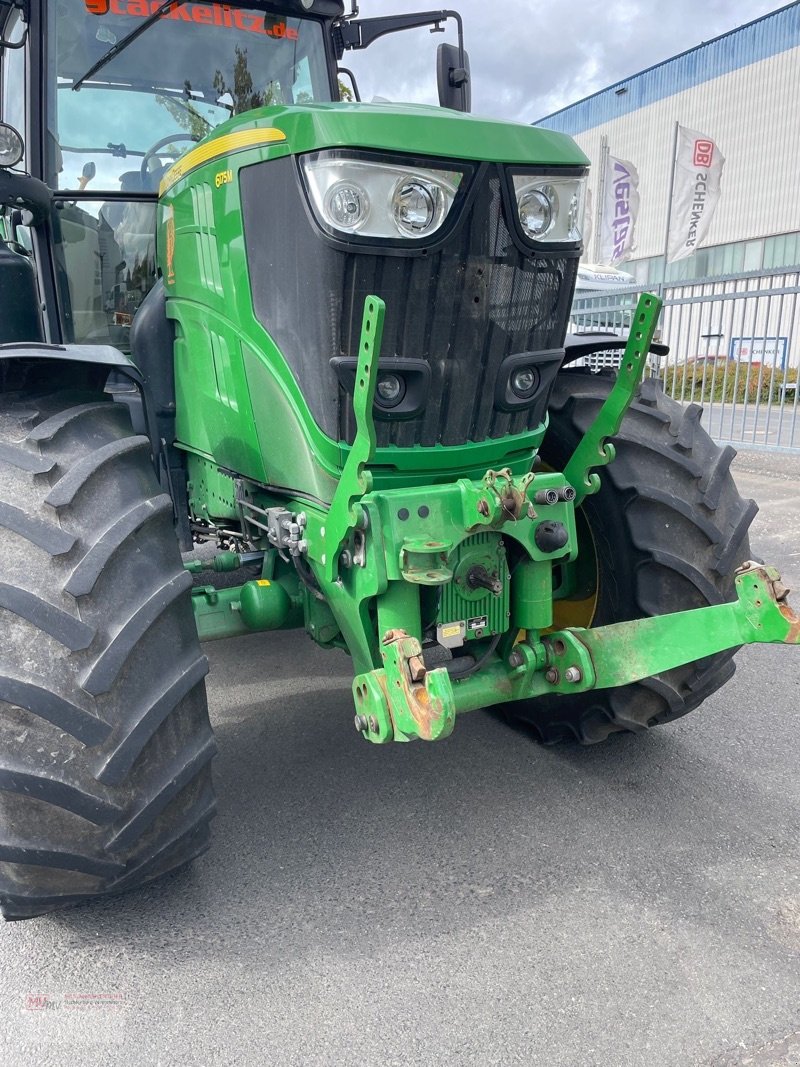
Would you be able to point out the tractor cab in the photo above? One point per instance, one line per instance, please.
(101, 141)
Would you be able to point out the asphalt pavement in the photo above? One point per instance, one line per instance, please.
(763, 425)
(475, 902)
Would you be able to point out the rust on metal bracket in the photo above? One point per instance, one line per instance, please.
(417, 697)
(511, 497)
(779, 593)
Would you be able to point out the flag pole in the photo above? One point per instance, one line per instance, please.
(669, 203)
(601, 197)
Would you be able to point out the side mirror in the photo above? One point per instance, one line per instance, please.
(452, 77)
(89, 172)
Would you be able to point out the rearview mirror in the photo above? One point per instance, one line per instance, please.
(455, 89)
(89, 172)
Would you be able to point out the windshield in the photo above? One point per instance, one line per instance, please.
(188, 72)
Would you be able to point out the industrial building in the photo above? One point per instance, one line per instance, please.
(743, 91)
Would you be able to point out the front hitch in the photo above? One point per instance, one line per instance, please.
(378, 550)
(403, 700)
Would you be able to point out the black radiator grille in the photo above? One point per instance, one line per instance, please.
(463, 309)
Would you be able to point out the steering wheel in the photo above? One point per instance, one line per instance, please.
(155, 176)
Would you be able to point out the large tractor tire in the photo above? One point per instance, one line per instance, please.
(105, 743)
(665, 533)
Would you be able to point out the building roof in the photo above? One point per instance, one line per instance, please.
(764, 37)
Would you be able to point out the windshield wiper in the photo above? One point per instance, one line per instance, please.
(129, 38)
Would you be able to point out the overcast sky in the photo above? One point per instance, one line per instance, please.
(530, 59)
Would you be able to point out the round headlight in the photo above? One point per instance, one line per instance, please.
(346, 205)
(414, 206)
(390, 390)
(537, 211)
(525, 382)
(11, 147)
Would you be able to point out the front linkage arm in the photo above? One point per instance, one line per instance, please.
(594, 449)
(629, 651)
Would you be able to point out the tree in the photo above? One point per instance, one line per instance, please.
(243, 93)
(186, 114)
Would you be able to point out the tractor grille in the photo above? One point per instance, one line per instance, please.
(462, 308)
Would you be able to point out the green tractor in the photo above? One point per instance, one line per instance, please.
(328, 339)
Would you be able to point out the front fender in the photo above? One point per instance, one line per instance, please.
(101, 355)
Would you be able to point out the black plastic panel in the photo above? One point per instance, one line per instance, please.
(19, 299)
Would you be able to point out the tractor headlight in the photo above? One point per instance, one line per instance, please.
(11, 146)
(346, 205)
(550, 208)
(536, 212)
(415, 207)
(379, 198)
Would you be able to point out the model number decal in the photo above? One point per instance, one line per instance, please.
(225, 177)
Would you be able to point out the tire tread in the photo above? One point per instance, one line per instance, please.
(103, 787)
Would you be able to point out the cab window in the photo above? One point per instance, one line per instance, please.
(127, 123)
(188, 72)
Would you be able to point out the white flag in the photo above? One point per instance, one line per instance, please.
(695, 192)
(620, 210)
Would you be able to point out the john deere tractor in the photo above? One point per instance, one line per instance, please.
(328, 339)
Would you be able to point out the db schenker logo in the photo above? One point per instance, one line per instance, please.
(703, 153)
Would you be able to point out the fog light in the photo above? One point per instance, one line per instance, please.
(525, 382)
(346, 205)
(390, 390)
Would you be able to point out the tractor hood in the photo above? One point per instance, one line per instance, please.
(479, 299)
(413, 128)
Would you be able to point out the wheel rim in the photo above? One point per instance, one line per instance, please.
(579, 607)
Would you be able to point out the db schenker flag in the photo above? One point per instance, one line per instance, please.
(620, 209)
(695, 192)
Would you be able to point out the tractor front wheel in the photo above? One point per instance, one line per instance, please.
(105, 743)
(665, 533)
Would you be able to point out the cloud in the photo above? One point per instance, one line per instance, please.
(529, 59)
